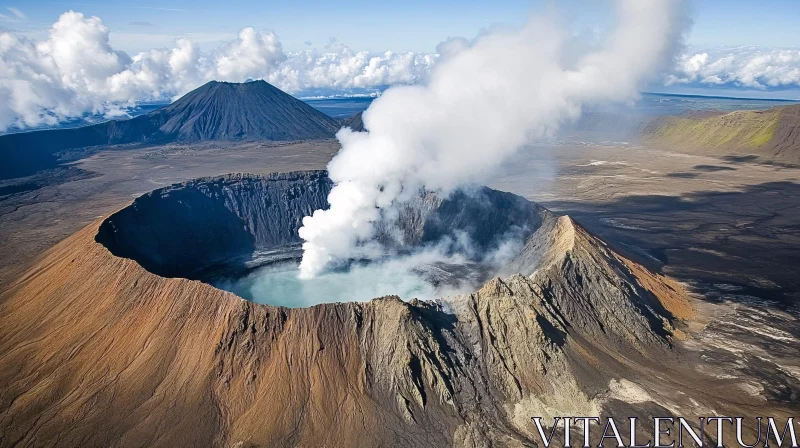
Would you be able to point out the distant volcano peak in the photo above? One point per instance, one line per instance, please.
(252, 110)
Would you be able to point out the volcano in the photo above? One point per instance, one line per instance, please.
(252, 110)
(113, 337)
(215, 111)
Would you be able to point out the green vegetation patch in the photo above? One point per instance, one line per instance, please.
(745, 129)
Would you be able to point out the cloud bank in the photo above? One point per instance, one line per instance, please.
(75, 70)
(750, 67)
(481, 103)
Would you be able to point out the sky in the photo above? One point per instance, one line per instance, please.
(410, 25)
(60, 58)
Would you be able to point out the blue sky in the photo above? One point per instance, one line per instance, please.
(770, 23)
(411, 25)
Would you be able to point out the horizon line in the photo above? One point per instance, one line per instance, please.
(695, 95)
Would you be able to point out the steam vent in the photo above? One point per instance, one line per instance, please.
(137, 340)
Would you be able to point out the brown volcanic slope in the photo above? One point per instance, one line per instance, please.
(98, 351)
(772, 133)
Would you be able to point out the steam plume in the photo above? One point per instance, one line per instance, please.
(481, 103)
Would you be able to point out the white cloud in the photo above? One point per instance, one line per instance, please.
(17, 13)
(338, 67)
(63, 76)
(749, 67)
(74, 68)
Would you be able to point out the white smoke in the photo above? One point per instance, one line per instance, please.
(481, 103)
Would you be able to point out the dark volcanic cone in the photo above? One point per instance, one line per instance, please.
(253, 110)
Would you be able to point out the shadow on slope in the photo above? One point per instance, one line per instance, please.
(749, 238)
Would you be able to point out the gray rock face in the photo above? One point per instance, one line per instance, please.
(486, 217)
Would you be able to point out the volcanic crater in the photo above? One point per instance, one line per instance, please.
(227, 230)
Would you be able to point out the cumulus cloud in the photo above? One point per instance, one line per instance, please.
(339, 67)
(75, 70)
(749, 67)
(43, 82)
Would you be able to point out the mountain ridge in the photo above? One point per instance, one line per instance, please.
(354, 122)
(771, 133)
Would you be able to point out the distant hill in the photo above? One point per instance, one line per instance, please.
(355, 122)
(772, 133)
(215, 111)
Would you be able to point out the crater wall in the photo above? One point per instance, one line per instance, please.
(188, 229)
(183, 229)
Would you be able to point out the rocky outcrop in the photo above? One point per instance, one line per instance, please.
(602, 294)
(100, 351)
